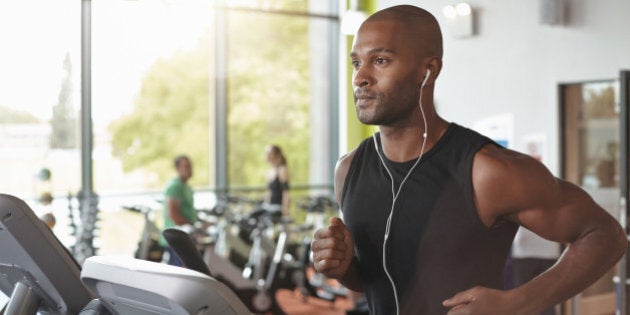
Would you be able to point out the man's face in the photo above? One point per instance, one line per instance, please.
(184, 169)
(385, 77)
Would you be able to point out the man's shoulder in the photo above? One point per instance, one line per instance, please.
(346, 159)
(175, 181)
(173, 185)
(505, 180)
(341, 171)
(343, 164)
(492, 159)
(493, 165)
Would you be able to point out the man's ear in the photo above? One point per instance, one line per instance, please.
(434, 64)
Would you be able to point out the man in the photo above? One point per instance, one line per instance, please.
(178, 203)
(430, 208)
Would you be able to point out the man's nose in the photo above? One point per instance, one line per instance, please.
(361, 77)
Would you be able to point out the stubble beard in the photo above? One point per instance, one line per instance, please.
(372, 115)
(385, 111)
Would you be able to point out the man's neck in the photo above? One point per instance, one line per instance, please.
(405, 144)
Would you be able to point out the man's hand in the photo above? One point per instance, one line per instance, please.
(484, 301)
(333, 249)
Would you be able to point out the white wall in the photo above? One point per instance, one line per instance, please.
(514, 64)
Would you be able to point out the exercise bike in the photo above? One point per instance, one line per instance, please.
(148, 246)
(268, 270)
(315, 284)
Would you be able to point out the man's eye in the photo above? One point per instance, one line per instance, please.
(380, 61)
(355, 63)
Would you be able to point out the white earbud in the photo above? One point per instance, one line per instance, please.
(426, 78)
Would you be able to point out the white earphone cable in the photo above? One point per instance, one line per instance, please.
(396, 193)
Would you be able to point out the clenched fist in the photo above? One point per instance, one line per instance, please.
(333, 249)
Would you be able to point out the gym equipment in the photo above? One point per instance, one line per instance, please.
(86, 230)
(270, 270)
(41, 277)
(315, 284)
(134, 286)
(257, 291)
(148, 245)
(37, 272)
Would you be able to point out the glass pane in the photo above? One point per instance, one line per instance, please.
(278, 93)
(591, 137)
(599, 136)
(150, 92)
(150, 99)
(268, 94)
(39, 104)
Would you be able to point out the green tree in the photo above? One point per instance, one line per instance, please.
(170, 117)
(268, 94)
(64, 122)
(268, 98)
(11, 116)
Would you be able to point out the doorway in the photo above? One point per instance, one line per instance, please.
(594, 122)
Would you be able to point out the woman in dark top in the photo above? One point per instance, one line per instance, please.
(277, 196)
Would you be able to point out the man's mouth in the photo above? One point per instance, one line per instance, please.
(363, 94)
(362, 97)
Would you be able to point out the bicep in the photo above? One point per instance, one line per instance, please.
(513, 186)
(173, 205)
(563, 216)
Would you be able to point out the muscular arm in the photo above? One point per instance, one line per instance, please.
(348, 276)
(512, 186)
(174, 212)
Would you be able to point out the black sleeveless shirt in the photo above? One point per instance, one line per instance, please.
(276, 189)
(438, 245)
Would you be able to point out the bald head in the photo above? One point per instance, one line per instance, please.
(419, 26)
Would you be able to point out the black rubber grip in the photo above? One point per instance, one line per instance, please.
(184, 247)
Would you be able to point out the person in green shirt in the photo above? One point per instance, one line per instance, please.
(179, 207)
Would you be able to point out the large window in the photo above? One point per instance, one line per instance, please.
(215, 81)
(40, 63)
(281, 76)
(150, 92)
(39, 102)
